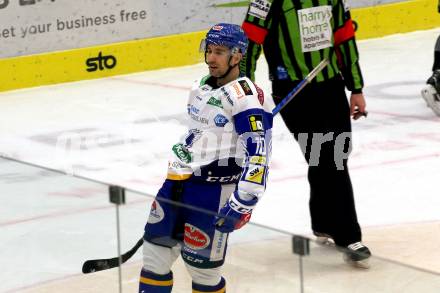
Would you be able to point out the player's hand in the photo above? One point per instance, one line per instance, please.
(234, 214)
(358, 106)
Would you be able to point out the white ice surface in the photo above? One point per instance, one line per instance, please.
(119, 130)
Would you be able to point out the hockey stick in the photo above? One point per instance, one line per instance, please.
(96, 265)
(300, 86)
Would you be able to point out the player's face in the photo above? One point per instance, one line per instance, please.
(217, 58)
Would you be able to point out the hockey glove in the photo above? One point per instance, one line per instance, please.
(234, 214)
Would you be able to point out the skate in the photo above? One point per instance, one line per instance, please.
(431, 92)
(357, 255)
(323, 238)
(434, 80)
(432, 98)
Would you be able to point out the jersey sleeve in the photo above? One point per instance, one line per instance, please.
(256, 26)
(253, 124)
(346, 48)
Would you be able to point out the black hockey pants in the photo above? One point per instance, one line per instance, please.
(320, 114)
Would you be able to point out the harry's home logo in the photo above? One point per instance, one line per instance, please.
(101, 62)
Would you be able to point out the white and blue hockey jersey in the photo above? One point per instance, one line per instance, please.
(229, 136)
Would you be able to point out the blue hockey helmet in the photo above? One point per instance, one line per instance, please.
(226, 34)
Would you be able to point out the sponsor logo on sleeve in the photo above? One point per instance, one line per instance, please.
(192, 136)
(259, 8)
(195, 238)
(182, 153)
(246, 88)
(220, 120)
(260, 95)
(260, 160)
(256, 122)
(237, 89)
(255, 174)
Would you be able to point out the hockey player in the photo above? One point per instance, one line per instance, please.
(217, 172)
(431, 93)
(296, 35)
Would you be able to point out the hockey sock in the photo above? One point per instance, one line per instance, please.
(150, 282)
(436, 64)
(219, 288)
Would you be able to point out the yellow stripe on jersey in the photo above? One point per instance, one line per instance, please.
(178, 177)
(148, 281)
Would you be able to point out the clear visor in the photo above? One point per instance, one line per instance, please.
(203, 46)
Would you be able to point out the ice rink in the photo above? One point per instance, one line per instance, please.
(119, 130)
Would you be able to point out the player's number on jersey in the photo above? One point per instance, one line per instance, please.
(261, 146)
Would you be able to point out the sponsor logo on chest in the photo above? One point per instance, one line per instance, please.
(214, 102)
(220, 120)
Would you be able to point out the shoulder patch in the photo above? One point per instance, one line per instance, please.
(246, 88)
(237, 90)
(259, 8)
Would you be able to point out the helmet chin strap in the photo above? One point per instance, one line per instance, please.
(229, 67)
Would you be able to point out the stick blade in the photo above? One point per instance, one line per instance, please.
(96, 265)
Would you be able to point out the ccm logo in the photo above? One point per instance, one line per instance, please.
(101, 62)
(240, 209)
(191, 259)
